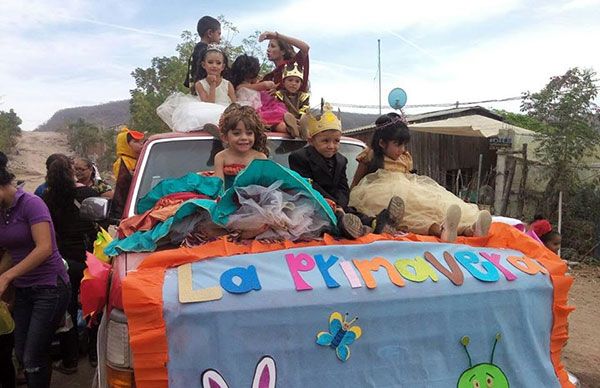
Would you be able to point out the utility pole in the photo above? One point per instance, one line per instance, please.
(379, 70)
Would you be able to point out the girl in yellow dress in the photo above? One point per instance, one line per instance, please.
(384, 172)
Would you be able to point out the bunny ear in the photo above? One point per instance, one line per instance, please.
(212, 379)
(265, 374)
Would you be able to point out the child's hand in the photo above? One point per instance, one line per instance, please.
(267, 35)
(273, 90)
(269, 85)
(212, 80)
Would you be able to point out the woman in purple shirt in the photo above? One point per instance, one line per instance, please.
(38, 275)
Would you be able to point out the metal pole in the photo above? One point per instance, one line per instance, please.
(560, 196)
(379, 70)
(479, 178)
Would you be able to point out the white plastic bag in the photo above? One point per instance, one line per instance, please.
(186, 113)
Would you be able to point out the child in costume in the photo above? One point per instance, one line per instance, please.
(549, 237)
(384, 172)
(243, 133)
(129, 146)
(249, 91)
(209, 31)
(296, 101)
(321, 162)
(214, 88)
(270, 212)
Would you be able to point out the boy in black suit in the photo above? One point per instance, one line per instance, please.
(326, 168)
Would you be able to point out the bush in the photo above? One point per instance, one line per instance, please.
(10, 129)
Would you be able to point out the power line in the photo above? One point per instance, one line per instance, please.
(438, 105)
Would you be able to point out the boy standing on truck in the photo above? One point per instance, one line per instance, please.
(209, 30)
(325, 167)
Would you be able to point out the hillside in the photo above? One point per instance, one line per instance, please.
(104, 115)
(117, 112)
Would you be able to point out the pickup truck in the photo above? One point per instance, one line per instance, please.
(381, 311)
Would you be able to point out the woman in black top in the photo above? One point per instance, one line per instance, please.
(74, 237)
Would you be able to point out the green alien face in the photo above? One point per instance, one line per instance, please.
(483, 376)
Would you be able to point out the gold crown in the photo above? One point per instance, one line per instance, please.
(327, 121)
(295, 71)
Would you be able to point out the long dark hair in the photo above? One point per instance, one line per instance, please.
(244, 67)
(288, 49)
(5, 176)
(61, 186)
(388, 127)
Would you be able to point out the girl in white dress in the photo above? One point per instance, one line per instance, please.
(214, 88)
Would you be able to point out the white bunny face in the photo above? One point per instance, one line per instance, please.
(265, 376)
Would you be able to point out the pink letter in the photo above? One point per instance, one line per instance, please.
(494, 258)
(351, 274)
(300, 262)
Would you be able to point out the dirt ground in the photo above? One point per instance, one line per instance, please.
(28, 162)
(581, 355)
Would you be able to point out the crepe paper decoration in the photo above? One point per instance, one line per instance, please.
(468, 260)
(454, 274)
(248, 280)
(300, 262)
(366, 266)
(341, 334)
(415, 270)
(484, 374)
(324, 266)
(265, 376)
(94, 285)
(527, 265)
(186, 292)
(351, 274)
(494, 258)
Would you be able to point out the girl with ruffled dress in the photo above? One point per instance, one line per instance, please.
(384, 172)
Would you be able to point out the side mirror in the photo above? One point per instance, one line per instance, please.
(94, 209)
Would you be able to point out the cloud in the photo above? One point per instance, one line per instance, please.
(337, 17)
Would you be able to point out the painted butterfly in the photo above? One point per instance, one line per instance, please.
(340, 335)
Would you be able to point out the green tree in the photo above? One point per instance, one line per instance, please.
(83, 136)
(566, 108)
(10, 129)
(166, 74)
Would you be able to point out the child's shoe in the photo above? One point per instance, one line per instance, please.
(483, 223)
(291, 124)
(303, 127)
(351, 226)
(389, 220)
(450, 224)
(213, 130)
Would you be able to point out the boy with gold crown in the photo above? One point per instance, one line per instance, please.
(296, 101)
(321, 162)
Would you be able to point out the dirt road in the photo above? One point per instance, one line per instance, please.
(28, 162)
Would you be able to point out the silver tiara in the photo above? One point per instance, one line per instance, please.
(214, 47)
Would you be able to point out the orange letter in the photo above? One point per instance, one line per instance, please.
(366, 266)
(526, 264)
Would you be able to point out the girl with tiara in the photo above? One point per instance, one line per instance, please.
(251, 92)
(384, 172)
(213, 87)
(186, 113)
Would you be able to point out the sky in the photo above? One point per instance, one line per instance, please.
(57, 54)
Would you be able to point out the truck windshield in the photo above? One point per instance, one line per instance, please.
(175, 158)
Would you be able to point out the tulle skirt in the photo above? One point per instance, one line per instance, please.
(276, 213)
(424, 199)
(185, 113)
(270, 109)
